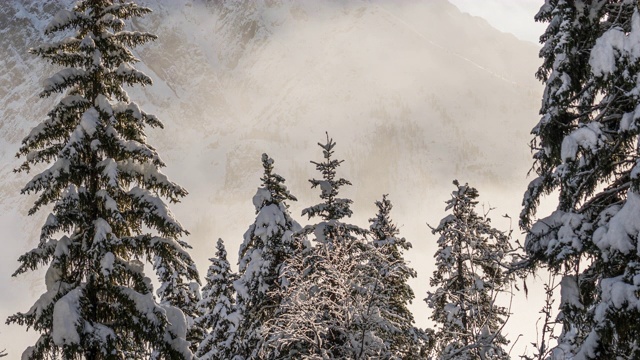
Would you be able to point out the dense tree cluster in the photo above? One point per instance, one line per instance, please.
(330, 289)
(334, 290)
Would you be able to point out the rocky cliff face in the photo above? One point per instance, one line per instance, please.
(415, 94)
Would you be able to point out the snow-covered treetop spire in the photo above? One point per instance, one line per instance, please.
(333, 208)
(383, 230)
(273, 189)
(221, 252)
(218, 285)
(464, 197)
(381, 225)
(99, 49)
(271, 232)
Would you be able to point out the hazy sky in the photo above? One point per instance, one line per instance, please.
(513, 16)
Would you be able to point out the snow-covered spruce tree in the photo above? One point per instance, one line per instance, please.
(332, 209)
(393, 294)
(105, 188)
(219, 316)
(327, 289)
(267, 244)
(175, 290)
(328, 310)
(586, 148)
(467, 281)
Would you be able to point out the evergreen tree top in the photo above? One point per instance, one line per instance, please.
(273, 190)
(98, 49)
(383, 230)
(463, 197)
(333, 208)
(219, 276)
(221, 252)
(273, 221)
(219, 279)
(382, 222)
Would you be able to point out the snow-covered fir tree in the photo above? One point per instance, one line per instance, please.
(332, 208)
(329, 310)
(586, 150)
(176, 290)
(267, 244)
(467, 280)
(219, 317)
(392, 293)
(327, 294)
(105, 190)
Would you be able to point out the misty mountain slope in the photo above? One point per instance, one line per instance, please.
(20, 81)
(415, 94)
(232, 69)
(369, 67)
